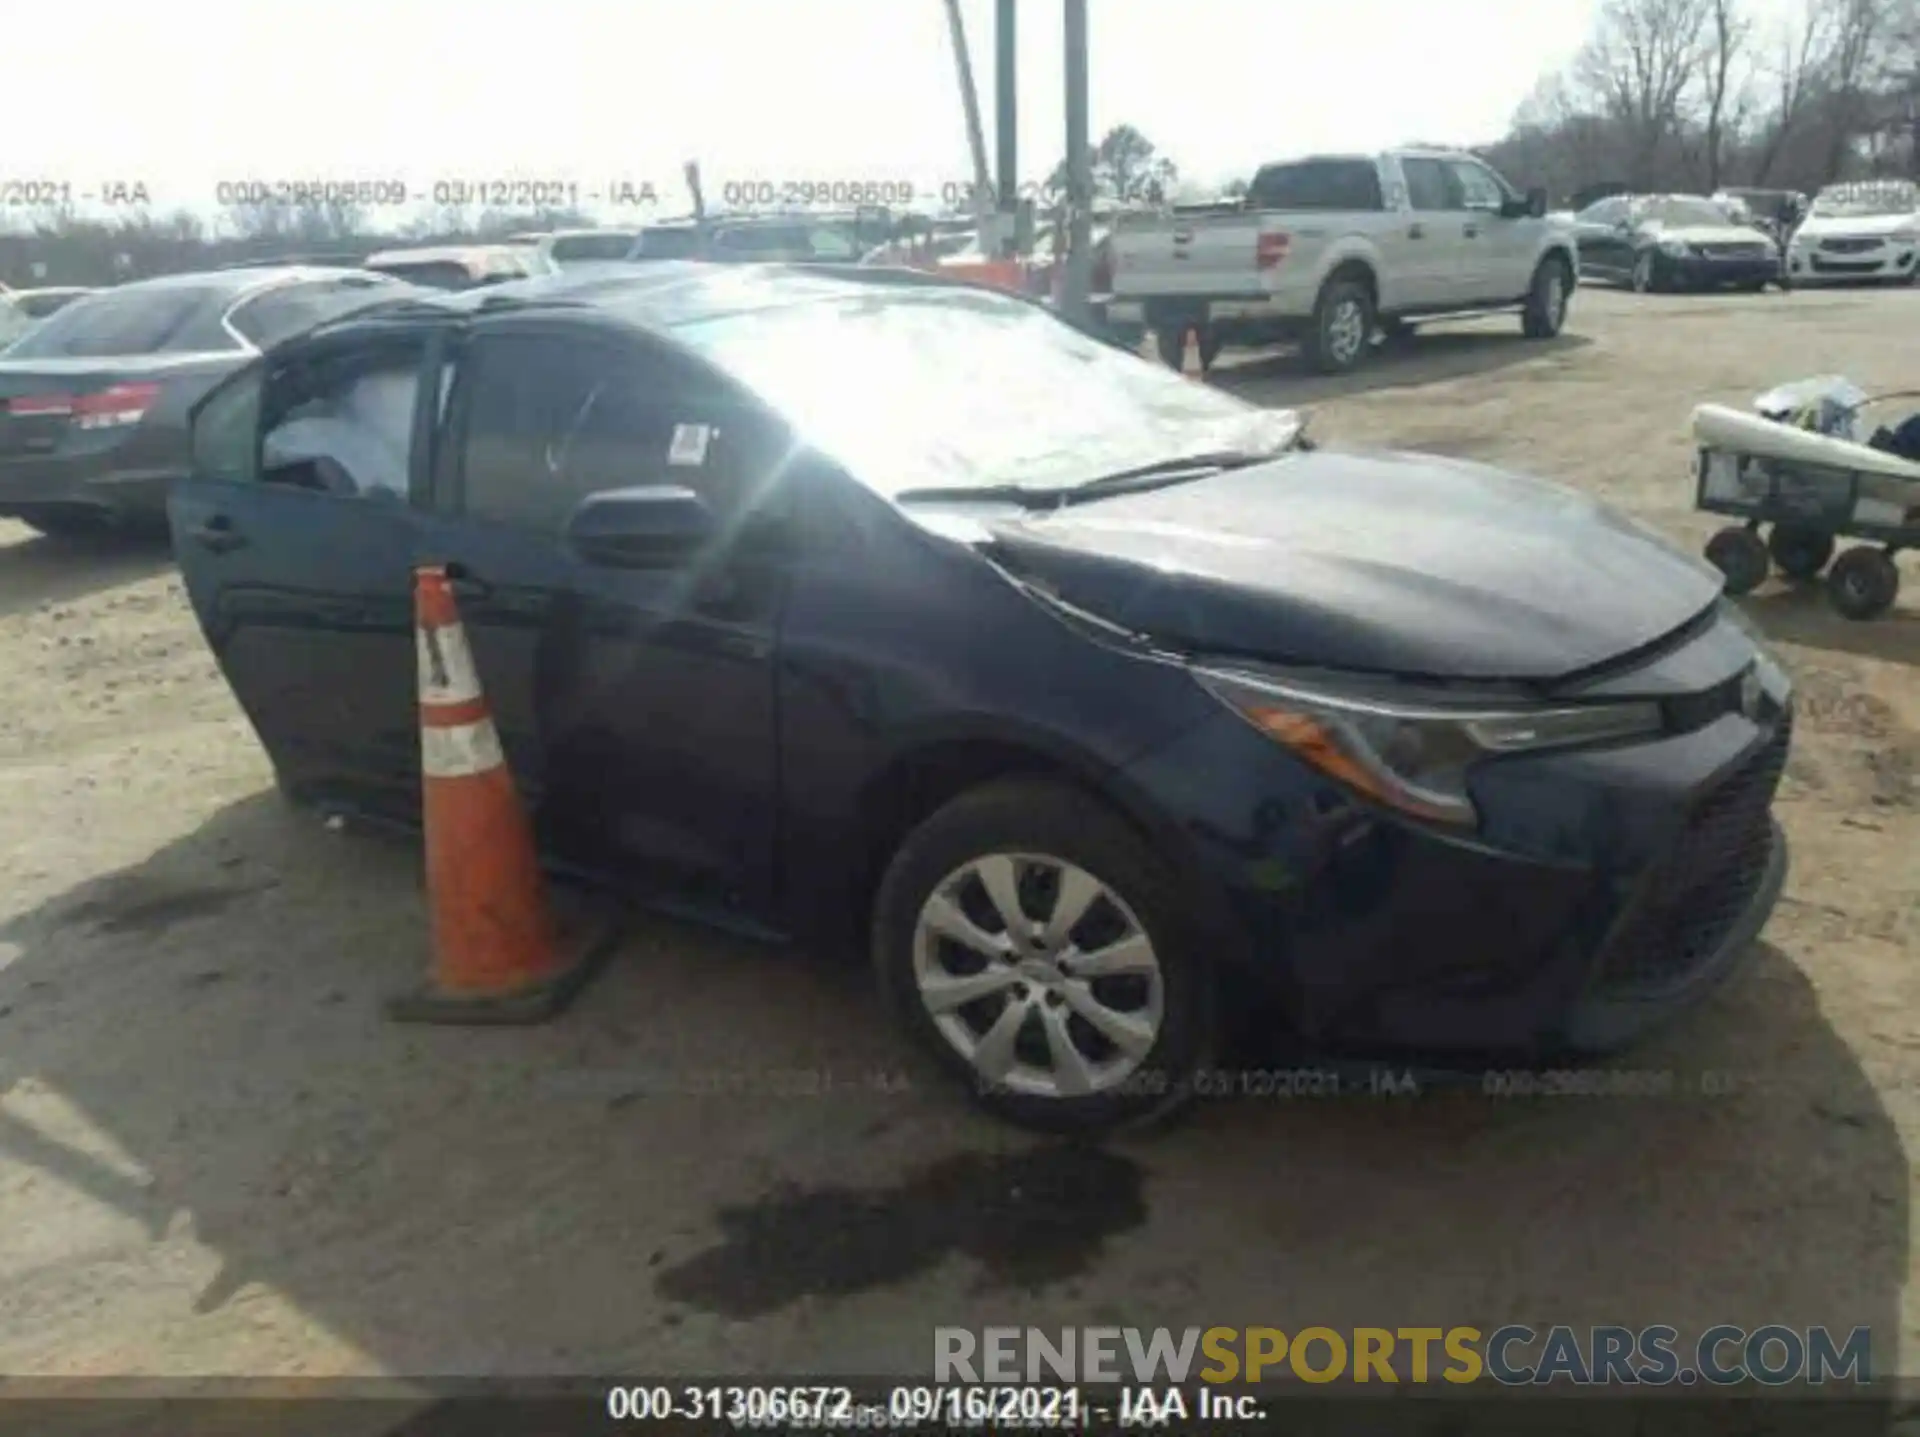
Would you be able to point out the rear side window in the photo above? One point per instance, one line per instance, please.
(131, 321)
(293, 309)
(1318, 185)
(606, 246)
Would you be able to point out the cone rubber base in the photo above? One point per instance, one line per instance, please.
(591, 943)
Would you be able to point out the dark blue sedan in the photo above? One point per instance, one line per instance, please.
(1096, 702)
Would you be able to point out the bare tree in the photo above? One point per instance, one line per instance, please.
(1725, 81)
(1639, 64)
(1796, 71)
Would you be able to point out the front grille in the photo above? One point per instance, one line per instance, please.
(1735, 251)
(1686, 904)
(1835, 266)
(1849, 246)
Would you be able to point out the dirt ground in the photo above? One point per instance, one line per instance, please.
(217, 1157)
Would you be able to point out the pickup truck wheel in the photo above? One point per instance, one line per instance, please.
(1342, 327)
(1546, 307)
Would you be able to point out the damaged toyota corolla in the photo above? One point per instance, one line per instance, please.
(821, 603)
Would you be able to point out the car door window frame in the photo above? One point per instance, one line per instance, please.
(1451, 197)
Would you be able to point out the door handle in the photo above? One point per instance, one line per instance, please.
(217, 534)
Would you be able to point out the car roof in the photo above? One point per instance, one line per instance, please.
(233, 281)
(667, 294)
(53, 289)
(445, 254)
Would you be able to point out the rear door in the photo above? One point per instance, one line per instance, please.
(294, 532)
(636, 705)
(1443, 255)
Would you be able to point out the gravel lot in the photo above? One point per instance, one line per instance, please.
(216, 1157)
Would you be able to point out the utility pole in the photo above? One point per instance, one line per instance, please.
(970, 101)
(1079, 276)
(1006, 118)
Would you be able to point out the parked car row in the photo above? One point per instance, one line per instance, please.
(1748, 239)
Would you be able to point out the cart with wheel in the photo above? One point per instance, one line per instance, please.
(1794, 474)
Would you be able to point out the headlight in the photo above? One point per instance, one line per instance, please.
(1905, 236)
(1412, 755)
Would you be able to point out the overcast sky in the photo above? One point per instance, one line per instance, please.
(181, 95)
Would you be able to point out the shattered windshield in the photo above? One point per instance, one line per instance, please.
(965, 390)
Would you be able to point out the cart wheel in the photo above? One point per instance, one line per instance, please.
(1738, 554)
(1799, 552)
(1863, 583)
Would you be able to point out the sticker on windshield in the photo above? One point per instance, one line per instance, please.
(689, 444)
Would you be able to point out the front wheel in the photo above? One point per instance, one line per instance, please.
(1038, 950)
(1342, 327)
(1546, 307)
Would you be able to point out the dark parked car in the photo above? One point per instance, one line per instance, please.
(1665, 242)
(1084, 693)
(94, 425)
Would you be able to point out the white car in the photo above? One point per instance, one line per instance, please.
(1866, 230)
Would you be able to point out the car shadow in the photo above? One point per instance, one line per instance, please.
(1798, 613)
(1281, 379)
(721, 1159)
(37, 570)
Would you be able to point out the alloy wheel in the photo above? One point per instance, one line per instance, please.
(1039, 975)
(1346, 331)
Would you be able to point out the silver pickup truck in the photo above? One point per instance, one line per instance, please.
(1335, 251)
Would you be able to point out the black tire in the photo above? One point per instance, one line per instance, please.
(1799, 552)
(1546, 308)
(1039, 817)
(1740, 557)
(1344, 307)
(1863, 582)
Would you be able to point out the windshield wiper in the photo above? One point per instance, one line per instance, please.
(1167, 471)
(1123, 481)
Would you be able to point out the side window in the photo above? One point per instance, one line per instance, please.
(344, 425)
(552, 420)
(1479, 190)
(1603, 212)
(292, 309)
(1429, 185)
(226, 432)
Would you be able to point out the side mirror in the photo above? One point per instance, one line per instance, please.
(654, 526)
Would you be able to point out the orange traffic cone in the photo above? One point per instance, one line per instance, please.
(497, 954)
(1190, 363)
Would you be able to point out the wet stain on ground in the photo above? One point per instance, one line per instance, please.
(1029, 1219)
(147, 909)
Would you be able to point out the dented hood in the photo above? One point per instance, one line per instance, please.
(1390, 563)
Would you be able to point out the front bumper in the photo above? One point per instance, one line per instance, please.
(1605, 892)
(1830, 262)
(1706, 272)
